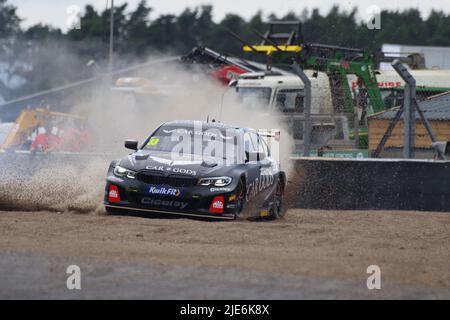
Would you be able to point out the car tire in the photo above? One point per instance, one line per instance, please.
(240, 201)
(277, 209)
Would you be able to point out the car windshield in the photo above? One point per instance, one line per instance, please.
(254, 97)
(207, 142)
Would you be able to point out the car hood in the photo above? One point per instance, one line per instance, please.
(191, 165)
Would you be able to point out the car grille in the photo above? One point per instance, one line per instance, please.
(159, 178)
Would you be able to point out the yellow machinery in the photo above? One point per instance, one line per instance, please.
(30, 120)
(270, 49)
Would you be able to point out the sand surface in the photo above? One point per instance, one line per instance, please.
(411, 248)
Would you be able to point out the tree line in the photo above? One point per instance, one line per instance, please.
(38, 57)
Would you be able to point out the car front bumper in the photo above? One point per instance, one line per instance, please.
(193, 201)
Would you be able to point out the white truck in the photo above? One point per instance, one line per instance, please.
(282, 95)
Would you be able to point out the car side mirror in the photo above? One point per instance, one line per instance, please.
(131, 144)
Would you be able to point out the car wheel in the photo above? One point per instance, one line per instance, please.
(240, 198)
(277, 206)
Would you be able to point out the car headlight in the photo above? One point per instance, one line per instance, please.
(215, 181)
(122, 172)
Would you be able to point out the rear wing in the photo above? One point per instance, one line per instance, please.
(272, 138)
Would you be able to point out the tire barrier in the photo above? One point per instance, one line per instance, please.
(387, 184)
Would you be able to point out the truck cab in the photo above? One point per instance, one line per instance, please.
(271, 91)
(282, 94)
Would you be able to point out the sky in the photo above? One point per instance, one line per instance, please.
(54, 12)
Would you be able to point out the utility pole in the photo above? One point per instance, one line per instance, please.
(409, 109)
(111, 37)
(307, 109)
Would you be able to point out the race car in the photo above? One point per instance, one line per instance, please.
(198, 169)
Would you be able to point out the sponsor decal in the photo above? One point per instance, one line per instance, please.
(267, 171)
(182, 131)
(155, 168)
(153, 142)
(183, 171)
(113, 194)
(211, 133)
(163, 191)
(220, 189)
(231, 206)
(174, 170)
(164, 203)
(217, 205)
(382, 84)
(259, 184)
(233, 197)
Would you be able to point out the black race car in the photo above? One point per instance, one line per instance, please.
(199, 169)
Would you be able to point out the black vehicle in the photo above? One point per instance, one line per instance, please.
(198, 169)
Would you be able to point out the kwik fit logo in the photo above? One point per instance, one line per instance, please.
(164, 191)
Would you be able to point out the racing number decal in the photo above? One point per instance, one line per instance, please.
(153, 142)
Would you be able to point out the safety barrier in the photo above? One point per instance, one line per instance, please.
(388, 184)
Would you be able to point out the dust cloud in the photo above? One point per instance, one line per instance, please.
(57, 187)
